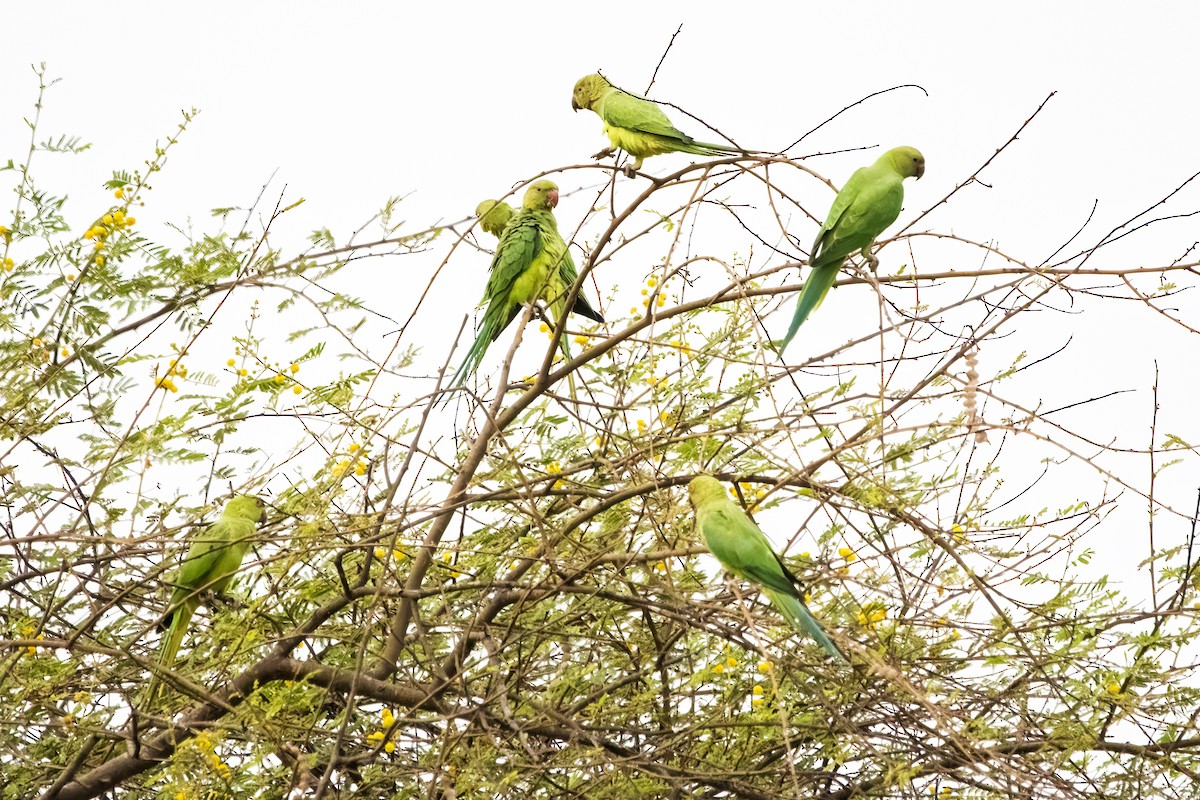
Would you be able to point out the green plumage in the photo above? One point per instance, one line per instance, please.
(494, 216)
(532, 262)
(868, 203)
(636, 125)
(210, 564)
(743, 549)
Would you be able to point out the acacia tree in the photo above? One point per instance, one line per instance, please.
(503, 596)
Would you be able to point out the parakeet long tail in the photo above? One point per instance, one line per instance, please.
(815, 288)
(800, 618)
(167, 652)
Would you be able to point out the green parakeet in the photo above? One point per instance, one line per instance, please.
(636, 125)
(742, 548)
(494, 216)
(868, 203)
(209, 566)
(532, 262)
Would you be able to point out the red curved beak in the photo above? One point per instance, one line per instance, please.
(552, 196)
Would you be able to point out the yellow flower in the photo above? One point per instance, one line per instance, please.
(1113, 688)
(380, 553)
(646, 302)
(99, 244)
(652, 381)
(107, 219)
(71, 275)
(280, 379)
(757, 701)
(37, 342)
(633, 310)
(581, 340)
(5, 230)
(166, 383)
(119, 193)
(718, 669)
(389, 746)
(294, 368)
(386, 716)
(360, 468)
(553, 468)
(599, 442)
(375, 736)
(757, 690)
(65, 352)
(354, 447)
(9, 264)
(765, 666)
(641, 423)
(660, 301)
(118, 217)
(645, 292)
(297, 390)
(652, 281)
(129, 221)
(243, 372)
(731, 662)
(230, 362)
(544, 328)
(847, 553)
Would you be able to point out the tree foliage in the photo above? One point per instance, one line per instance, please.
(503, 596)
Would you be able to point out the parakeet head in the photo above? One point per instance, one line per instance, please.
(494, 216)
(907, 161)
(541, 195)
(704, 488)
(588, 90)
(244, 507)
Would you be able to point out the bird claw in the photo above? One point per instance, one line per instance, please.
(629, 171)
(871, 260)
(605, 153)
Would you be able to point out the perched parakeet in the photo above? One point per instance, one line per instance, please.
(209, 566)
(494, 216)
(868, 203)
(744, 550)
(636, 125)
(532, 262)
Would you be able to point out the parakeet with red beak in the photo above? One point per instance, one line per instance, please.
(743, 549)
(532, 262)
(636, 125)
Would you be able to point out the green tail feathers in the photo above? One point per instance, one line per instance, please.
(795, 612)
(169, 649)
(820, 280)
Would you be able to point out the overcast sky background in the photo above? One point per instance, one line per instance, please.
(348, 104)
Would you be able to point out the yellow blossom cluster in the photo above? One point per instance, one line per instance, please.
(174, 370)
(98, 234)
(870, 617)
(660, 299)
(397, 554)
(375, 737)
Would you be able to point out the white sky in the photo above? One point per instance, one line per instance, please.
(351, 103)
